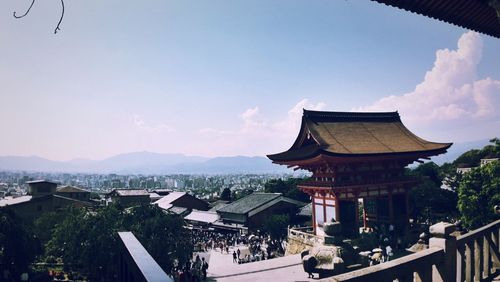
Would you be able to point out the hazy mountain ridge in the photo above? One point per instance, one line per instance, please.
(156, 163)
(145, 162)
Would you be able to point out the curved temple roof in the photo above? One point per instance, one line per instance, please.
(479, 15)
(355, 134)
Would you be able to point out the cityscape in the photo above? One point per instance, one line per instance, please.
(208, 187)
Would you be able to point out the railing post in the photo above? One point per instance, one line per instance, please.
(478, 259)
(447, 269)
(486, 255)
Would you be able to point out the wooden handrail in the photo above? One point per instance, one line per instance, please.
(402, 267)
(472, 235)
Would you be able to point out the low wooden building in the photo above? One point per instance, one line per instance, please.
(129, 197)
(73, 193)
(253, 210)
(182, 200)
(41, 198)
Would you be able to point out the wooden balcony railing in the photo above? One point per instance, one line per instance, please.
(136, 264)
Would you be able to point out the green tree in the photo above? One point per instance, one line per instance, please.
(478, 193)
(429, 202)
(226, 194)
(88, 241)
(288, 188)
(277, 226)
(44, 225)
(18, 245)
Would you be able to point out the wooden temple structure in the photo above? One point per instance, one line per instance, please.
(355, 156)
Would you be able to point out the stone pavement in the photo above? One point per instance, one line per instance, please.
(222, 268)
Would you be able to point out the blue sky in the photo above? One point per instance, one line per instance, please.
(219, 78)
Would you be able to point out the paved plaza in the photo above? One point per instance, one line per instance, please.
(222, 268)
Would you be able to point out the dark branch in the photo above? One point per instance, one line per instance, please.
(60, 20)
(27, 11)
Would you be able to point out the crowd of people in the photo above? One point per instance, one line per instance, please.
(242, 249)
(192, 271)
(205, 240)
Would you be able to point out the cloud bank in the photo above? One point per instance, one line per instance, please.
(450, 95)
(451, 104)
(258, 135)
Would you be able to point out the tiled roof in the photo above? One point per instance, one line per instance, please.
(12, 201)
(202, 216)
(130, 192)
(177, 210)
(218, 205)
(71, 189)
(477, 15)
(170, 198)
(306, 210)
(355, 134)
(250, 202)
(41, 181)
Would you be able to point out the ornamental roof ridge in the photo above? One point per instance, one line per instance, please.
(339, 116)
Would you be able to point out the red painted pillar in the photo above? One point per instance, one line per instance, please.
(313, 205)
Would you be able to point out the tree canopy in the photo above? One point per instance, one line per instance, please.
(226, 194)
(18, 245)
(287, 188)
(473, 157)
(88, 241)
(277, 225)
(478, 193)
(430, 203)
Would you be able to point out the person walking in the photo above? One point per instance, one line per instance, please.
(234, 256)
(204, 268)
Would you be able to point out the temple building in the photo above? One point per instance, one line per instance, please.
(354, 156)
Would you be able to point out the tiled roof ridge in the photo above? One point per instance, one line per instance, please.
(351, 115)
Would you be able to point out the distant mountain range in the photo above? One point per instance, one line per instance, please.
(155, 163)
(458, 149)
(146, 163)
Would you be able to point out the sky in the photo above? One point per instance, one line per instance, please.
(225, 78)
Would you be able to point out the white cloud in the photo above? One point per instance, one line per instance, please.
(450, 93)
(258, 135)
(292, 122)
(157, 128)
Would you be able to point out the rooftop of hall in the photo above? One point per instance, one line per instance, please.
(254, 201)
(353, 134)
(40, 181)
(72, 189)
(128, 192)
